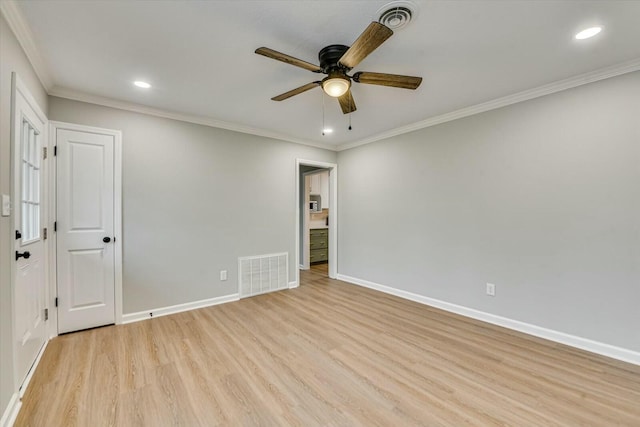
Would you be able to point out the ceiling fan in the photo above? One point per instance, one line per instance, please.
(337, 60)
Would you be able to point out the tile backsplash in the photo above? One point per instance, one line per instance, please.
(318, 220)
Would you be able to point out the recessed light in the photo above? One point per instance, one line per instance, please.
(327, 130)
(142, 84)
(587, 33)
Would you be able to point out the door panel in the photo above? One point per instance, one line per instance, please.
(28, 126)
(86, 289)
(86, 264)
(86, 178)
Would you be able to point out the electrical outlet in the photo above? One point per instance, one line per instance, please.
(491, 289)
(223, 275)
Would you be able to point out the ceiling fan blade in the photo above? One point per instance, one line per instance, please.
(295, 91)
(278, 56)
(369, 40)
(383, 79)
(347, 103)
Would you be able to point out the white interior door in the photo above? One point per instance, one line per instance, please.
(85, 229)
(29, 202)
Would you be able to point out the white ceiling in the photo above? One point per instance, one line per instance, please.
(198, 55)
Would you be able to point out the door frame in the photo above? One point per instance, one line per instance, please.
(19, 87)
(117, 215)
(333, 216)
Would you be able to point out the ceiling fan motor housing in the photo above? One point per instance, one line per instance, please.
(329, 57)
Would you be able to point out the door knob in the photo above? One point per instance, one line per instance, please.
(25, 255)
(106, 239)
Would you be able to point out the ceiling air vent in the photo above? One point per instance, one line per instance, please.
(397, 14)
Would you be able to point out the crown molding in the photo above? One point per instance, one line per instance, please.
(20, 28)
(571, 82)
(200, 120)
(579, 80)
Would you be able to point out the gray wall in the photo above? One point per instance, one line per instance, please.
(12, 59)
(541, 198)
(195, 198)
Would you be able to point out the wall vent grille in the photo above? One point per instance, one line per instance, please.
(263, 273)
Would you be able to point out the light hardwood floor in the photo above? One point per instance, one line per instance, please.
(326, 353)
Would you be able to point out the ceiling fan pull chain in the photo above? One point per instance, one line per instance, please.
(350, 111)
(323, 127)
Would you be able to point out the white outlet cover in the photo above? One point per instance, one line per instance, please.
(223, 274)
(491, 289)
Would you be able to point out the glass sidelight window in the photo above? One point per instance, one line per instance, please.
(30, 183)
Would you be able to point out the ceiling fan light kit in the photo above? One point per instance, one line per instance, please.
(336, 85)
(337, 61)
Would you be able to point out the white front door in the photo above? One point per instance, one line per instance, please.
(29, 208)
(85, 229)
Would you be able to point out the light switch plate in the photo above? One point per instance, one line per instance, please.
(6, 205)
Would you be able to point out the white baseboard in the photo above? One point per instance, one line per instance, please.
(178, 308)
(11, 411)
(293, 284)
(27, 380)
(603, 349)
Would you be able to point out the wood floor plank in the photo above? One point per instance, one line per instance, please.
(324, 354)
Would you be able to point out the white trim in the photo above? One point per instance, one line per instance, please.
(293, 284)
(571, 82)
(333, 215)
(11, 411)
(178, 308)
(26, 94)
(32, 370)
(117, 206)
(21, 30)
(117, 224)
(13, 408)
(189, 118)
(600, 348)
(558, 86)
(53, 236)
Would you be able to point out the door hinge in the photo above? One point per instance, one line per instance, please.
(56, 301)
(44, 234)
(44, 153)
(18, 234)
(46, 314)
(55, 150)
(55, 226)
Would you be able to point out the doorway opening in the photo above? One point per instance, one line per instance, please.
(316, 219)
(315, 251)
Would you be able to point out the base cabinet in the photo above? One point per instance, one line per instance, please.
(319, 245)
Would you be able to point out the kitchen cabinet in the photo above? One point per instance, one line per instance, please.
(320, 185)
(319, 245)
